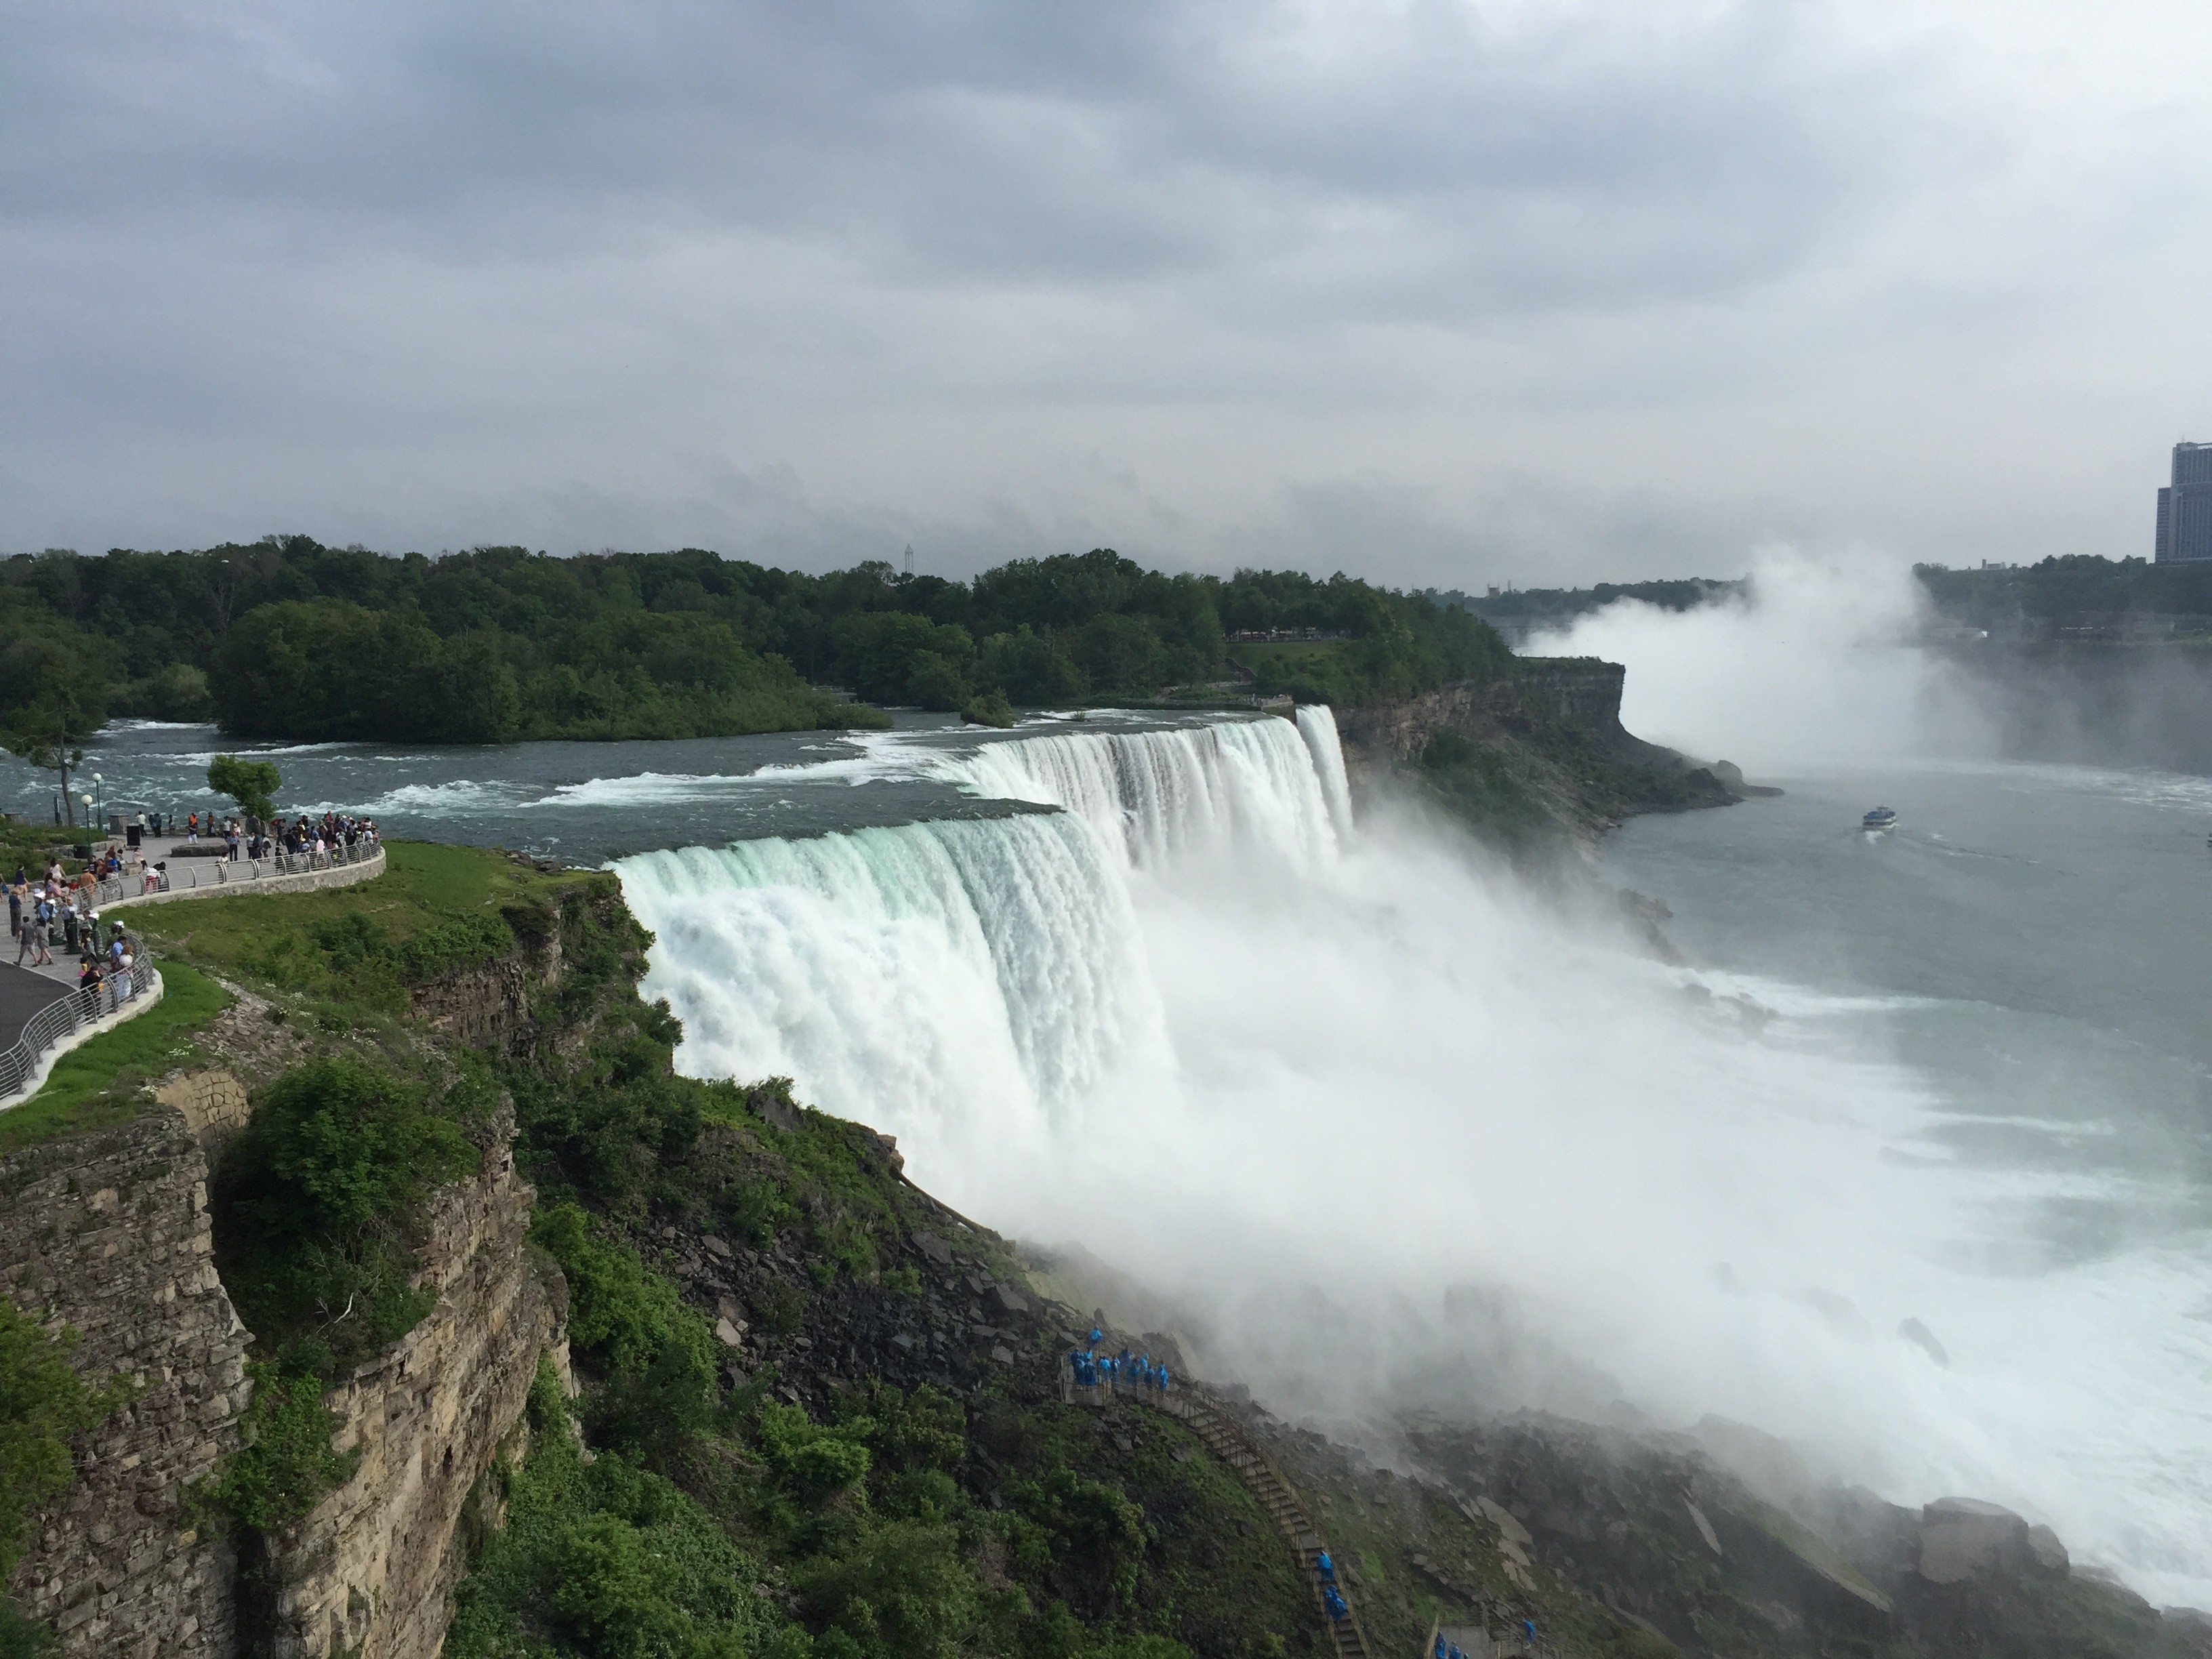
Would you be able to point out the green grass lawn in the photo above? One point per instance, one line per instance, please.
(267, 941)
(100, 1082)
(424, 885)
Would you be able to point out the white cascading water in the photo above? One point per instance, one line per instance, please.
(1161, 797)
(1392, 1132)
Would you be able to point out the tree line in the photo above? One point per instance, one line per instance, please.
(285, 638)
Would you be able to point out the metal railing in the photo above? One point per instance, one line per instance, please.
(59, 1020)
(188, 874)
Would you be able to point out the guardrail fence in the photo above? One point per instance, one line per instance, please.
(56, 1023)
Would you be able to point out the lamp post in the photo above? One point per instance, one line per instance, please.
(98, 784)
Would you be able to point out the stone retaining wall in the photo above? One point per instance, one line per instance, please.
(306, 881)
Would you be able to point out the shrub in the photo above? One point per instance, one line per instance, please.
(321, 1199)
(286, 1463)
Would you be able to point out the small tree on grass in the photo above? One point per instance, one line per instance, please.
(251, 784)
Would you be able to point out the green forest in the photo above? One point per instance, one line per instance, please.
(2073, 585)
(285, 638)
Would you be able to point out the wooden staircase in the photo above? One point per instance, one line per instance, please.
(1224, 1437)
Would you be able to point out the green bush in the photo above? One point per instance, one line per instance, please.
(320, 1202)
(603, 1560)
(657, 1355)
(285, 1464)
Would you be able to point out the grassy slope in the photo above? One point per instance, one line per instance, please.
(103, 1081)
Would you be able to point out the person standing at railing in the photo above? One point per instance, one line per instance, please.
(30, 936)
(88, 984)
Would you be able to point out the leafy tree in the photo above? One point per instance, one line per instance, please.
(68, 705)
(251, 784)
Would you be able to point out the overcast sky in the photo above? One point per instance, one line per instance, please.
(1435, 292)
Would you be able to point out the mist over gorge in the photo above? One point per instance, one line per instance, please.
(1391, 1130)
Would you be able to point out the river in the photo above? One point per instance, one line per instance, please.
(1390, 1130)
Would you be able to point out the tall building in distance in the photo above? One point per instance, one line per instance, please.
(2184, 506)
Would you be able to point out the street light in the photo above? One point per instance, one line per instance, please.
(100, 782)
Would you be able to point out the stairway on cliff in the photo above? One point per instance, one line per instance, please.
(1222, 1435)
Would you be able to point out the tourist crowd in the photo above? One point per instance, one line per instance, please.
(248, 837)
(59, 910)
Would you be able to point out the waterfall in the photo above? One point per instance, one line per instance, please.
(973, 985)
(1232, 787)
(1317, 726)
(958, 975)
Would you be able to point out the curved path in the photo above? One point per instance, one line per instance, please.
(32, 1023)
(26, 992)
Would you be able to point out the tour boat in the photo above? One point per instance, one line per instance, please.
(1881, 818)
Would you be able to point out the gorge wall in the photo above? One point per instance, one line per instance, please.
(369, 1573)
(1527, 759)
(109, 1233)
(1545, 694)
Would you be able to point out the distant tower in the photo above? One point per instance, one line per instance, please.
(2184, 506)
(910, 557)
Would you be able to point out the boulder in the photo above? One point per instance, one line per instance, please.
(1963, 1538)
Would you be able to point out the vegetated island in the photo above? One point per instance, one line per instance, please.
(542, 1349)
(285, 639)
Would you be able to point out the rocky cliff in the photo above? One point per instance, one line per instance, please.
(370, 1574)
(109, 1233)
(1526, 759)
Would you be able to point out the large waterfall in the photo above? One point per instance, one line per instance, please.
(1389, 1128)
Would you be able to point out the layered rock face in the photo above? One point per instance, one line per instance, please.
(370, 1574)
(488, 1007)
(109, 1232)
(1573, 691)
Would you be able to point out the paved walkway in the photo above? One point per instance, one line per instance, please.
(24, 992)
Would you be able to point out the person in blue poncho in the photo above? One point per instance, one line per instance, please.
(1442, 1651)
(1327, 1569)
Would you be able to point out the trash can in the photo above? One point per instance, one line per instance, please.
(134, 835)
(115, 823)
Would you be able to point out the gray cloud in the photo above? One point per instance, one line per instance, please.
(810, 280)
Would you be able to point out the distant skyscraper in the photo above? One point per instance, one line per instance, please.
(2184, 506)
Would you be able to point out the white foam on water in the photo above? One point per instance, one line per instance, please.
(460, 797)
(1396, 1134)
